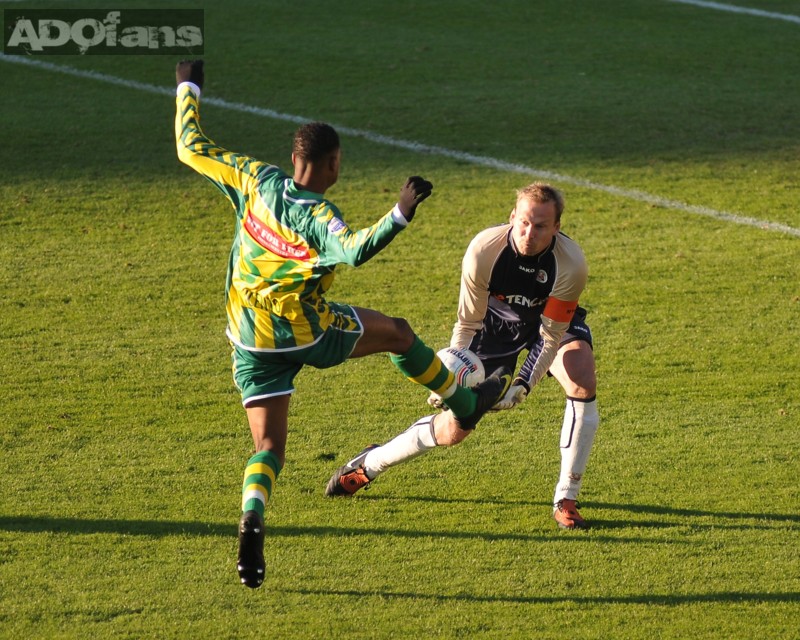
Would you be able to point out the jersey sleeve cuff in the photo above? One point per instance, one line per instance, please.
(525, 384)
(190, 85)
(398, 217)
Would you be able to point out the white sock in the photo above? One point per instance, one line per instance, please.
(577, 435)
(413, 442)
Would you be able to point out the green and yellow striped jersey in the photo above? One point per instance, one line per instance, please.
(287, 242)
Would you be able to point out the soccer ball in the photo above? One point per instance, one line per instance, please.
(466, 366)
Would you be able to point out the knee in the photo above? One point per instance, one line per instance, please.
(582, 390)
(575, 370)
(581, 385)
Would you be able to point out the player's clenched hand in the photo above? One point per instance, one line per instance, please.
(515, 395)
(190, 71)
(414, 191)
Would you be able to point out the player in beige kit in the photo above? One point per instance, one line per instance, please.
(520, 287)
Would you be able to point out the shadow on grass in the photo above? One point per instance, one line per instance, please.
(723, 519)
(646, 599)
(697, 513)
(156, 528)
(690, 518)
(163, 528)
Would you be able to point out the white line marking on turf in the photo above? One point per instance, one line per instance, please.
(483, 161)
(746, 10)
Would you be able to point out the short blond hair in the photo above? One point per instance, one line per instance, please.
(542, 192)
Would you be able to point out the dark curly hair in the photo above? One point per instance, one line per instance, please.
(315, 141)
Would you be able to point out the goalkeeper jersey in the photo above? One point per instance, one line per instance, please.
(508, 300)
(286, 246)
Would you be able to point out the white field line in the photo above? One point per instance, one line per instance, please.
(483, 161)
(731, 8)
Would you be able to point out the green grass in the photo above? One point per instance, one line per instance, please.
(122, 436)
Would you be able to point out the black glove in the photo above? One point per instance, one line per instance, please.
(190, 71)
(414, 191)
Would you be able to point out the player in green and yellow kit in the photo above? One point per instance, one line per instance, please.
(287, 243)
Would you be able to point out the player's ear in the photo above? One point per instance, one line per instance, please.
(294, 158)
(511, 215)
(333, 161)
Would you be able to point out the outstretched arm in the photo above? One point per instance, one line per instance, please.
(343, 245)
(232, 173)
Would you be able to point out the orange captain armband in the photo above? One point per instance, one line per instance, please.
(560, 310)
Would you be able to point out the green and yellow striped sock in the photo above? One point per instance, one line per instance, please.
(421, 365)
(259, 477)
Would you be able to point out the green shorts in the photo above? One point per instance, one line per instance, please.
(262, 374)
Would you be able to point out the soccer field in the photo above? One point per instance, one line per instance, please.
(671, 128)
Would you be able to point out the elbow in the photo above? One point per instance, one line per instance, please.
(186, 138)
(185, 154)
